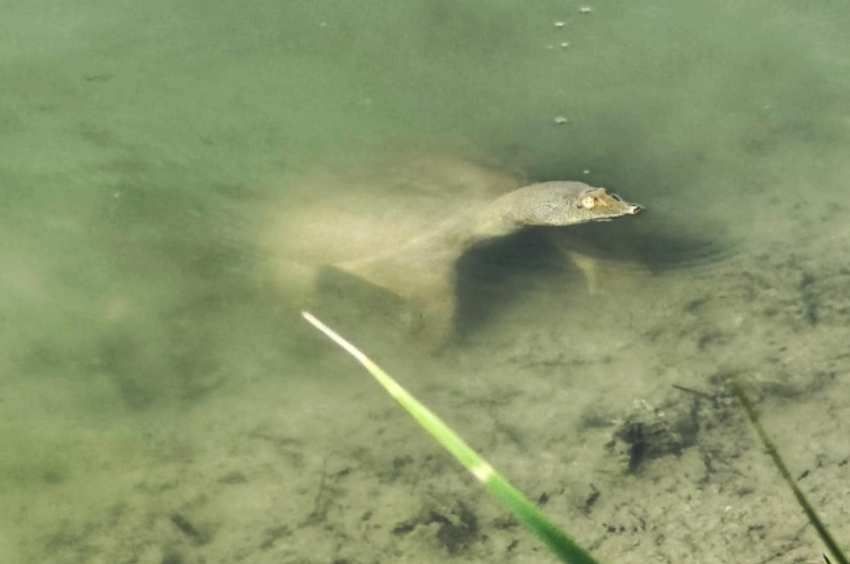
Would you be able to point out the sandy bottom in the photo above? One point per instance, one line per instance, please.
(162, 405)
(611, 410)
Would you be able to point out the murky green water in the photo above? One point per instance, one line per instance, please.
(163, 402)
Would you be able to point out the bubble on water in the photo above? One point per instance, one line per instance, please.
(560, 23)
(585, 10)
(586, 171)
(565, 44)
(560, 120)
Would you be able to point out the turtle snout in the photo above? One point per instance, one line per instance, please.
(636, 209)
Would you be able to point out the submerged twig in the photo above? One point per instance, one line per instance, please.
(770, 447)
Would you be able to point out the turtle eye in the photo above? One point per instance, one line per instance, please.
(588, 202)
(616, 197)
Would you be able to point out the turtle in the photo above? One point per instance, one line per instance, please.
(402, 228)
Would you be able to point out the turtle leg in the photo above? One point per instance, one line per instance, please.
(567, 248)
(426, 290)
(599, 274)
(588, 266)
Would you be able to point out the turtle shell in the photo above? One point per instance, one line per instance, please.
(331, 217)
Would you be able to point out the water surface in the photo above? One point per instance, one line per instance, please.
(163, 402)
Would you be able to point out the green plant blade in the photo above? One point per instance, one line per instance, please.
(525, 511)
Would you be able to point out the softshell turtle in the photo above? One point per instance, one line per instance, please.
(404, 229)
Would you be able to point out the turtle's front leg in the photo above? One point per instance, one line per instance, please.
(604, 274)
(587, 265)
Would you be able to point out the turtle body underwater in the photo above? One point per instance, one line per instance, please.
(402, 231)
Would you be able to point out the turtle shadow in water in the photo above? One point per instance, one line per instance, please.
(487, 277)
(656, 243)
(498, 272)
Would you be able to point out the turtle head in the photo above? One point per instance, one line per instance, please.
(571, 203)
(552, 204)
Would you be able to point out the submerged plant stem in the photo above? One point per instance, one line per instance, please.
(525, 511)
(770, 447)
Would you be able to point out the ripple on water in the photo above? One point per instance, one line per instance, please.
(654, 245)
